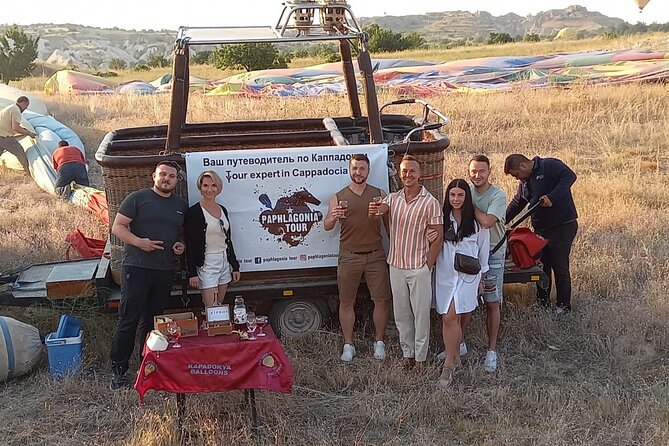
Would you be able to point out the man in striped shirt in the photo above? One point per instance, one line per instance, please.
(412, 211)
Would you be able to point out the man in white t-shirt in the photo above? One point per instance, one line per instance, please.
(490, 202)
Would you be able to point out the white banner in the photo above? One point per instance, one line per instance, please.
(277, 199)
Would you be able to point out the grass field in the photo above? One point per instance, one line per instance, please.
(598, 378)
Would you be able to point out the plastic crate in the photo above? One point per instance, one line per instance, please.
(64, 355)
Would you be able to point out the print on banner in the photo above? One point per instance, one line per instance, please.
(209, 369)
(291, 218)
(268, 360)
(149, 368)
(277, 200)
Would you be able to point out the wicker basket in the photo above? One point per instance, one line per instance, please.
(128, 157)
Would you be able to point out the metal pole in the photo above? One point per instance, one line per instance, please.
(251, 394)
(373, 115)
(349, 78)
(178, 106)
(181, 413)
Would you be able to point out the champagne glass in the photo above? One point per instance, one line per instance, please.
(251, 325)
(377, 202)
(175, 331)
(343, 204)
(261, 321)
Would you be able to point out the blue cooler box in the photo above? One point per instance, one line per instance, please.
(68, 327)
(64, 355)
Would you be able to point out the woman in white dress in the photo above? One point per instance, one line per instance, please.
(456, 292)
(212, 263)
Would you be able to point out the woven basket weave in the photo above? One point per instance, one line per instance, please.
(431, 169)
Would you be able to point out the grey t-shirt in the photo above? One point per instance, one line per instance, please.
(492, 202)
(157, 218)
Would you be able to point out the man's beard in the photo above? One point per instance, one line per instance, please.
(358, 180)
(165, 187)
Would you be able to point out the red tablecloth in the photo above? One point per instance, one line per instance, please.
(217, 364)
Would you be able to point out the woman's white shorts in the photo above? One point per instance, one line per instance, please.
(215, 271)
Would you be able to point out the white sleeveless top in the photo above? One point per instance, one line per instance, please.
(215, 239)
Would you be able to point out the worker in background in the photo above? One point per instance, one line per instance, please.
(10, 127)
(70, 165)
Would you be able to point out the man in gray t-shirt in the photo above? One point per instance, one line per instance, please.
(490, 202)
(149, 221)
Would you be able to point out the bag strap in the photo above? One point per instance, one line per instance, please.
(515, 223)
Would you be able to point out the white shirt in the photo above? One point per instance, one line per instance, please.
(215, 240)
(451, 284)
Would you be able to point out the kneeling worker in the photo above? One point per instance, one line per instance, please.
(70, 165)
(360, 252)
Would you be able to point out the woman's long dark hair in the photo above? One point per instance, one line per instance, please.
(468, 221)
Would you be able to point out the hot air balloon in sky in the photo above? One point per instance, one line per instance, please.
(641, 4)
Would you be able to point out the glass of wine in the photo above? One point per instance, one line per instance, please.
(343, 204)
(175, 331)
(251, 325)
(377, 201)
(261, 321)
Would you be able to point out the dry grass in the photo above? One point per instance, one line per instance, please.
(600, 378)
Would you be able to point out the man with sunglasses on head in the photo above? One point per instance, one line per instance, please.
(360, 252)
(149, 222)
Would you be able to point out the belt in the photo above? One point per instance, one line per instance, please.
(361, 253)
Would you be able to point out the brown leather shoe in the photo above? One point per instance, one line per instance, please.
(408, 363)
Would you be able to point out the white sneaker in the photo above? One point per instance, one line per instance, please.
(348, 353)
(463, 351)
(379, 350)
(490, 361)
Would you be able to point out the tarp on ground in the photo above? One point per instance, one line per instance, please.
(136, 87)
(164, 83)
(472, 75)
(39, 152)
(74, 82)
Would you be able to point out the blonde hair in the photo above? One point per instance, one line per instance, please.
(215, 178)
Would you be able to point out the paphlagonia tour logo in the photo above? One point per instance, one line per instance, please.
(291, 218)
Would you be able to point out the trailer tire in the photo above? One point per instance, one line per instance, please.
(293, 318)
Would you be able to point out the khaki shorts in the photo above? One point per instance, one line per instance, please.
(351, 268)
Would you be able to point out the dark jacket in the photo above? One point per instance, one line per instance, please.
(553, 178)
(195, 227)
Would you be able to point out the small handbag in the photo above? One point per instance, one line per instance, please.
(466, 264)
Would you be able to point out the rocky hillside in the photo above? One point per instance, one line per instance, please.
(439, 26)
(93, 48)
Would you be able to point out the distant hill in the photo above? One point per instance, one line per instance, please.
(453, 25)
(89, 47)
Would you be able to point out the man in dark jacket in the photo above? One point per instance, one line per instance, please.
(547, 181)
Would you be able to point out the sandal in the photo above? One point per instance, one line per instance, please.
(446, 377)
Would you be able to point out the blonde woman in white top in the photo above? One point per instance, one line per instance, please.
(457, 292)
(212, 263)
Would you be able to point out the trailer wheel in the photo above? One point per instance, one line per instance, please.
(297, 317)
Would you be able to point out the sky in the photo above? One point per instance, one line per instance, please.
(139, 15)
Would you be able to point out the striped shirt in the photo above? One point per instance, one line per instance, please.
(408, 227)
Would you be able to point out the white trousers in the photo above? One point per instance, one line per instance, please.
(412, 299)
